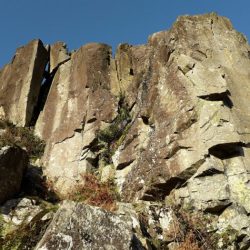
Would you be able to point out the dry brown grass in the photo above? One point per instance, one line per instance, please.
(190, 230)
(96, 193)
(189, 243)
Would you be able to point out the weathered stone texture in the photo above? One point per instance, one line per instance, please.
(186, 92)
(13, 162)
(78, 105)
(193, 97)
(166, 119)
(20, 83)
(79, 226)
(23, 222)
(58, 55)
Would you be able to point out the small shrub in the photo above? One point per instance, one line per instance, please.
(110, 138)
(23, 137)
(96, 193)
(116, 128)
(190, 230)
(189, 243)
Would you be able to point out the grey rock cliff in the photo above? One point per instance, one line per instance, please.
(165, 120)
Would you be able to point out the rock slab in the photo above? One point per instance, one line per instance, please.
(20, 83)
(79, 226)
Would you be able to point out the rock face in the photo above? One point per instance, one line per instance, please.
(78, 226)
(13, 162)
(20, 83)
(186, 104)
(58, 55)
(168, 119)
(78, 104)
(190, 104)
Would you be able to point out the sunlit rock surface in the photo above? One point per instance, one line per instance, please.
(166, 120)
(20, 83)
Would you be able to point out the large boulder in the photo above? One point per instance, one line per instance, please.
(79, 226)
(20, 83)
(13, 162)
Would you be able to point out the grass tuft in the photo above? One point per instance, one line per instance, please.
(23, 137)
(96, 193)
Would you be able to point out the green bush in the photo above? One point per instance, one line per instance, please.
(110, 138)
(21, 136)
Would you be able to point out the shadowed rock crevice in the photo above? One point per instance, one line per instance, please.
(145, 119)
(224, 97)
(91, 154)
(219, 208)
(227, 150)
(175, 150)
(161, 190)
(44, 90)
(209, 172)
(124, 164)
(34, 185)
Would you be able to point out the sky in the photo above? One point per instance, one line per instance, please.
(78, 22)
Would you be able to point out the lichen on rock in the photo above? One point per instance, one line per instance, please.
(167, 123)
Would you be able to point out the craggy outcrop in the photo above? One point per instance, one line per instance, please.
(78, 105)
(173, 107)
(13, 162)
(20, 83)
(193, 108)
(165, 120)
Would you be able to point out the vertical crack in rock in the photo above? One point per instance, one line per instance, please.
(44, 90)
(211, 25)
(36, 80)
(227, 150)
(113, 136)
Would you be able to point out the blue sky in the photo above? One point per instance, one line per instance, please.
(78, 22)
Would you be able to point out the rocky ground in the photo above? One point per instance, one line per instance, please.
(149, 149)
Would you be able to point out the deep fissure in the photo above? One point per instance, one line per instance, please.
(224, 97)
(44, 90)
